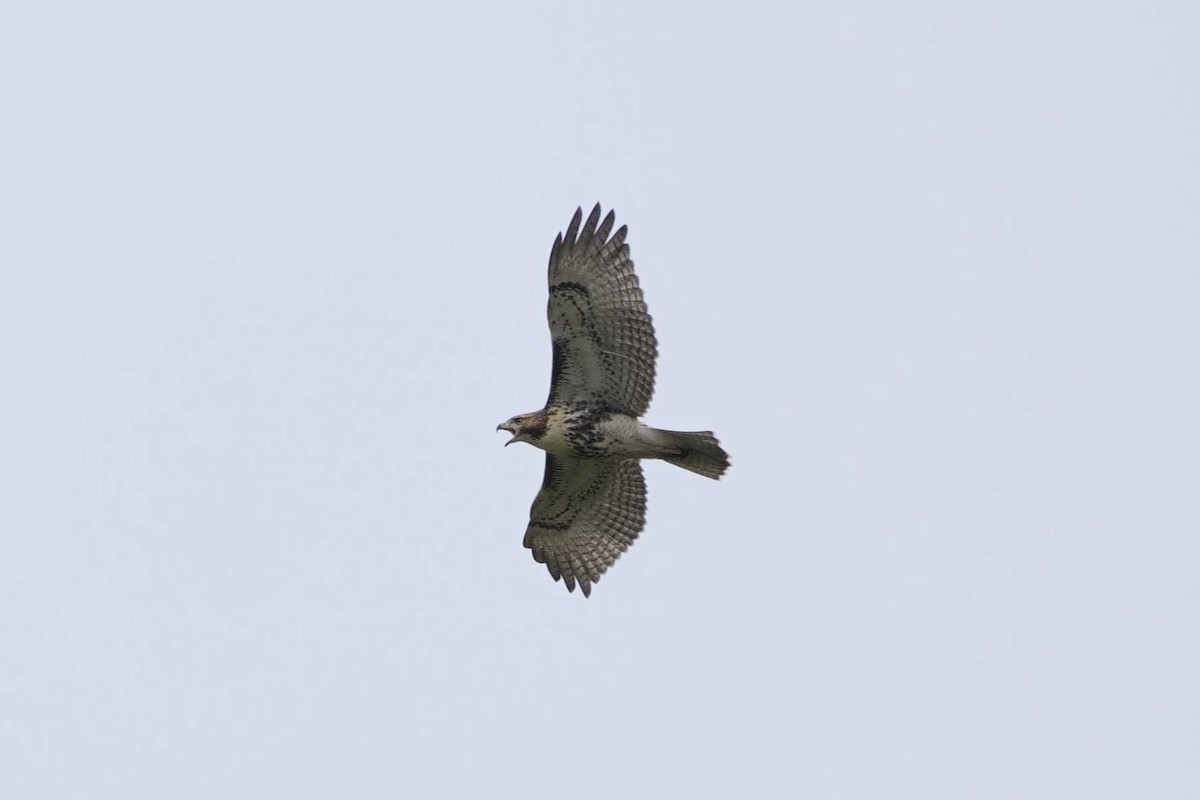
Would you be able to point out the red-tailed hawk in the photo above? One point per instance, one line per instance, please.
(592, 504)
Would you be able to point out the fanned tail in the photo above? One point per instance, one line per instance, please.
(697, 451)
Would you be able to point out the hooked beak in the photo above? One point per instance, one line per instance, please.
(510, 428)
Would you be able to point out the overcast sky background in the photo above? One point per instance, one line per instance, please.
(272, 274)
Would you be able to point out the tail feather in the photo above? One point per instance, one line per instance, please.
(697, 451)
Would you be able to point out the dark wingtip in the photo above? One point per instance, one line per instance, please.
(573, 228)
(605, 228)
(589, 227)
(555, 248)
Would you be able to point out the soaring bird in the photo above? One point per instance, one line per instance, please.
(592, 504)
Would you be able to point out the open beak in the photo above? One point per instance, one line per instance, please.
(504, 426)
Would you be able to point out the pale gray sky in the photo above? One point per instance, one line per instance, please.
(272, 274)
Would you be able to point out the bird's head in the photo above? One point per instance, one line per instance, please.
(524, 427)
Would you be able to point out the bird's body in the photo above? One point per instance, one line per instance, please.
(593, 499)
(589, 432)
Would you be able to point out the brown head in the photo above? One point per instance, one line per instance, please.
(525, 427)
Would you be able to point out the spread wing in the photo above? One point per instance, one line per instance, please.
(603, 339)
(587, 513)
